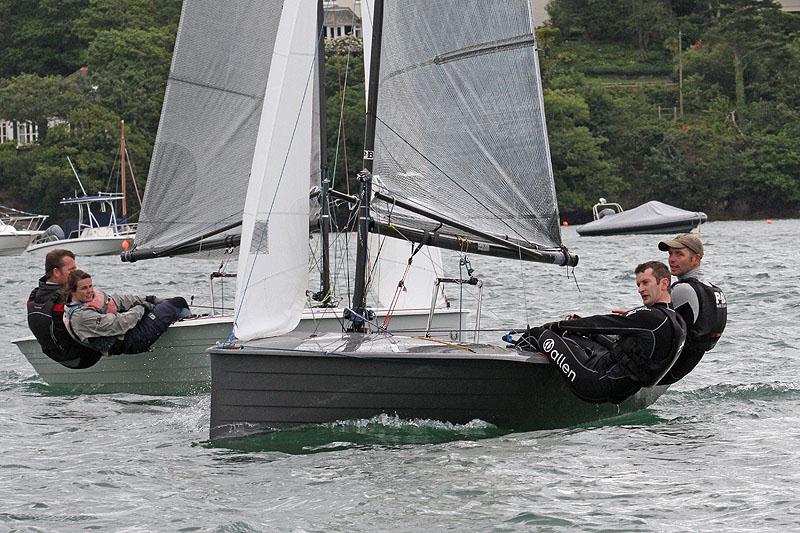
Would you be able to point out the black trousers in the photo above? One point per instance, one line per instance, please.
(152, 325)
(588, 368)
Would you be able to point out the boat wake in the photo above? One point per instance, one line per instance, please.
(382, 431)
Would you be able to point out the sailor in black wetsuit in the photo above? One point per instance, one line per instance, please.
(702, 305)
(645, 344)
(46, 312)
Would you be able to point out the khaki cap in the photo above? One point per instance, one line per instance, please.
(684, 240)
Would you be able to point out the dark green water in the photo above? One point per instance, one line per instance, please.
(719, 451)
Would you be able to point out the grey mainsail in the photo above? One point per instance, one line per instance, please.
(209, 122)
(460, 121)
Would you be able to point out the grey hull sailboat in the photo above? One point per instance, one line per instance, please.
(194, 200)
(457, 157)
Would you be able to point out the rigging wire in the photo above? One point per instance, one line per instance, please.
(342, 129)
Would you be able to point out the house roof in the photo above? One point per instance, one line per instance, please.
(340, 16)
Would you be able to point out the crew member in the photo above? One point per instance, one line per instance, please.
(46, 312)
(117, 323)
(608, 358)
(701, 304)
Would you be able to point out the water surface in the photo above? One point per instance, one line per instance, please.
(717, 452)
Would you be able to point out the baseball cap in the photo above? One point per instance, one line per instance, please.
(684, 240)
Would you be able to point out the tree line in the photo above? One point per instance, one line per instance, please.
(723, 73)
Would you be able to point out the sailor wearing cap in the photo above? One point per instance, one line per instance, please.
(701, 304)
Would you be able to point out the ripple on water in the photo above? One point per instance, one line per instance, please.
(717, 452)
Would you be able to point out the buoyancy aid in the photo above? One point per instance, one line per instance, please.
(45, 308)
(703, 334)
(712, 316)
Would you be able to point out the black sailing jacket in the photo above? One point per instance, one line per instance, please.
(650, 339)
(45, 319)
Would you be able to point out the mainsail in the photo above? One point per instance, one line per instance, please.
(273, 256)
(209, 122)
(456, 135)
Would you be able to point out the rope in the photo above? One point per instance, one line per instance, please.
(446, 343)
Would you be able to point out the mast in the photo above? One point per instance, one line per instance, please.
(360, 290)
(325, 215)
(122, 163)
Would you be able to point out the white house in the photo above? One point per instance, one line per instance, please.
(341, 20)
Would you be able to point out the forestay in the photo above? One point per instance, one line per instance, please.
(273, 257)
(460, 121)
(209, 121)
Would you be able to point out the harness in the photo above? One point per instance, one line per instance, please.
(678, 340)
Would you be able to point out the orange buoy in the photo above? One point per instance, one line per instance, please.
(126, 245)
(769, 221)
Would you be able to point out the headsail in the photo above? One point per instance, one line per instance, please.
(460, 121)
(273, 257)
(209, 122)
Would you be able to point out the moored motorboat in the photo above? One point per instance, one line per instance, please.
(18, 229)
(92, 237)
(652, 217)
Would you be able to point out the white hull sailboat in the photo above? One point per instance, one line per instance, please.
(457, 156)
(178, 363)
(193, 204)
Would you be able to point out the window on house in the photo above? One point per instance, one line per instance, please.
(6, 133)
(27, 133)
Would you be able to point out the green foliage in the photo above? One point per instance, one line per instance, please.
(38, 37)
(735, 152)
(599, 59)
(579, 164)
(105, 15)
(35, 98)
(345, 111)
(127, 46)
(129, 68)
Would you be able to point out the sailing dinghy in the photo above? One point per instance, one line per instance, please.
(456, 156)
(194, 202)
